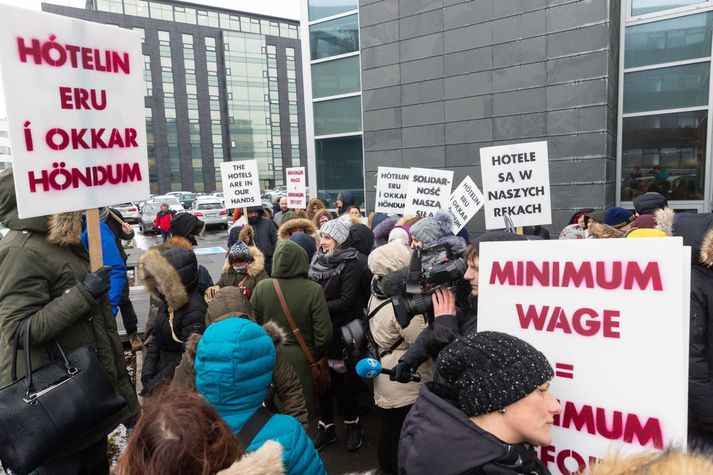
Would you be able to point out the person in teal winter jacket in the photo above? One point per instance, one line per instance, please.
(234, 363)
(110, 258)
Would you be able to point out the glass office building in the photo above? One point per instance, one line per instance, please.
(666, 102)
(336, 97)
(221, 85)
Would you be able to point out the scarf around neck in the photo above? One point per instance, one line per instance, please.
(325, 266)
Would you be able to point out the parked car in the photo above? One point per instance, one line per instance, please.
(130, 212)
(172, 202)
(211, 211)
(148, 217)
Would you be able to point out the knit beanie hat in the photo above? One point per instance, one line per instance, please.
(618, 217)
(488, 371)
(240, 252)
(337, 229)
(430, 230)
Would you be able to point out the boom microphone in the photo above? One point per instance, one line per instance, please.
(369, 368)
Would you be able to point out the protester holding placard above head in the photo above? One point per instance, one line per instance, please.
(44, 274)
(163, 221)
(467, 421)
(345, 199)
(313, 207)
(336, 268)
(281, 210)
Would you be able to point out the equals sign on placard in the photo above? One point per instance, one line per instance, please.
(564, 370)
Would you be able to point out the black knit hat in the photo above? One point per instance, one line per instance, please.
(488, 371)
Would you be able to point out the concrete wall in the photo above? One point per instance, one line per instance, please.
(443, 78)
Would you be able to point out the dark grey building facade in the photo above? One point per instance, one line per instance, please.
(443, 78)
(220, 86)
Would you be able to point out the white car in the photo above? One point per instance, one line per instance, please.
(172, 202)
(211, 211)
(129, 211)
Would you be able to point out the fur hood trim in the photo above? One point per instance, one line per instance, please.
(310, 205)
(255, 267)
(319, 214)
(267, 460)
(179, 241)
(65, 229)
(155, 270)
(706, 256)
(602, 231)
(291, 225)
(276, 332)
(653, 464)
(247, 235)
(664, 220)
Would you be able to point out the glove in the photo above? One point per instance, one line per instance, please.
(97, 283)
(401, 373)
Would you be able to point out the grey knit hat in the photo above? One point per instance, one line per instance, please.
(337, 229)
(487, 371)
(430, 230)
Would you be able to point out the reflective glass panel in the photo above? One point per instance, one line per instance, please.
(334, 37)
(665, 153)
(643, 7)
(338, 116)
(335, 77)
(666, 88)
(340, 168)
(324, 8)
(678, 39)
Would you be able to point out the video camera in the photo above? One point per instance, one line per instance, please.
(430, 269)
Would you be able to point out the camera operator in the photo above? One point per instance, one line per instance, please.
(450, 319)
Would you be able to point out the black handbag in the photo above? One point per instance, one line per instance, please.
(358, 341)
(51, 407)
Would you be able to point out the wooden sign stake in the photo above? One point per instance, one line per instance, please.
(94, 239)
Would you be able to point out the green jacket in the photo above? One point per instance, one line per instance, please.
(41, 262)
(307, 306)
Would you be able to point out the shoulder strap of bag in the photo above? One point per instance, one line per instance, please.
(378, 307)
(391, 349)
(293, 325)
(398, 341)
(253, 426)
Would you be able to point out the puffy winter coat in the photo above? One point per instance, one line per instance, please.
(234, 364)
(111, 257)
(361, 238)
(267, 460)
(264, 233)
(42, 262)
(307, 306)
(255, 273)
(163, 220)
(118, 232)
(172, 277)
(387, 333)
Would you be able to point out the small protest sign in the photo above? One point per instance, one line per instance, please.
(74, 93)
(391, 185)
(241, 185)
(612, 318)
(296, 187)
(516, 183)
(464, 203)
(428, 191)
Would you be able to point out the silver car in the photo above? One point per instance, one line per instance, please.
(211, 211)
(129, 211)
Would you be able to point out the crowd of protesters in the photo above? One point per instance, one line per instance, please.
(236, 373)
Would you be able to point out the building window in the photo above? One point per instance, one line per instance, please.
(667, 88)
(334, 37)
(665, 153)
(338, 116)
(325, 8)
(340, 167)
(336, 77)
(644, 7)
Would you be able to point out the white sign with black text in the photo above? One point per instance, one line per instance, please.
(391, 185)
(241, 185)
(296, 188)
(428, 191)
(465, 202)
(516, 183)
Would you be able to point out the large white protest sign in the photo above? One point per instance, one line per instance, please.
(611, 315)
(464, 203)
(391, 185)
(428, 191)
(74, 92)
(296, 187)
(241, 185)
(516, 183)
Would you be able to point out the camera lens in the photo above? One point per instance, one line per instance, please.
(405, 308)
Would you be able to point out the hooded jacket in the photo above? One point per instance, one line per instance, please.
(439, 438)
(292, 226)
(230, 302)
(254, 274)
(306, 304)
(361, 238)
(172, 277)
(347, 198)
(311, 204)
(318, 215)
(264, 237)
(386, 332)
(234, 364)
(42, 263)
(382, 230)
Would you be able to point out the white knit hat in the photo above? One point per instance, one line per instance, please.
(336, 229)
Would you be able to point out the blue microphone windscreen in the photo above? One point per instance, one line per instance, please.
(368, 368)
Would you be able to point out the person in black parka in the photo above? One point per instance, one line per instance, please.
(337, 270)
(264, 234)
(172, 277)
(361, 238)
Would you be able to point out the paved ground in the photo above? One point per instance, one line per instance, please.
(336, 459)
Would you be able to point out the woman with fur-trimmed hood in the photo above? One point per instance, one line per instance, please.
(44, 273)
(296, 225)
(321, 217)
(172, 277)
(313, 207)
(244, 268)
